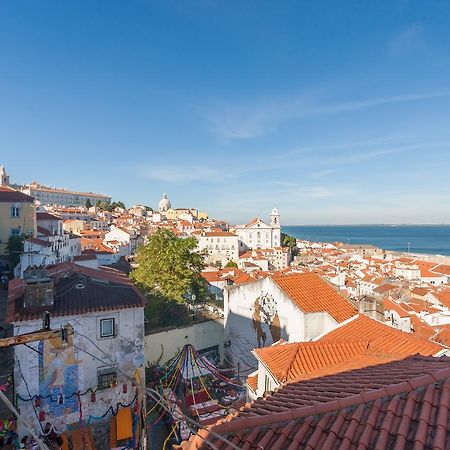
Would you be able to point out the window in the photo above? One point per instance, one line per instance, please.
(107, 378)
(107, 328)
(266, 383)
(14, 232)
(15, 211)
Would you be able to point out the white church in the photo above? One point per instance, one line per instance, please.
(259, 234)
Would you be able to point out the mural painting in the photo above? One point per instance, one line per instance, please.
(265, 320)
(58, 377)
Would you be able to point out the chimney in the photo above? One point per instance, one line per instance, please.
(39, 288)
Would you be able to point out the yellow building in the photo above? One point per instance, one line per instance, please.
(180, 213)
(17, 215)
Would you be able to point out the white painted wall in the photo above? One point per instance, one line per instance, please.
(126, 349)
(296, 326)
(402, 323)
(169, 343)
(219, 248)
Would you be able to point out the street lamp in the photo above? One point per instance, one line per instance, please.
(193, 297)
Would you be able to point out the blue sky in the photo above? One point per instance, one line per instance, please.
(334, 112)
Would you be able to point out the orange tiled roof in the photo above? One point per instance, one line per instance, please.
(420, 291)
(443, 297)
(252, 382)
(383, 338)
(443, 335)
(385, 288)
(292, 361)
(443, 269)
(253, 221)
(313, 294)
(10, 195)
(421, 328)
(391, 305)
(243, 279)
(399, 405)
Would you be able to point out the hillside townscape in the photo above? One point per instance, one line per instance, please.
(157, 325)
(224, 225)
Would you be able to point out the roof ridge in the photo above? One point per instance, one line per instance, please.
(288, 366)
(225, 426)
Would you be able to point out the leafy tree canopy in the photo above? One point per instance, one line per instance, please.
(14, 247)
(289, 241)
(88, 203)
(231, 264)
(170, 267)
(107, 206)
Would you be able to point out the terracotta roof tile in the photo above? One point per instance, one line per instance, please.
(292, 361)
(252, 382)
(421, 328)
(383, 338)
(399, 405)
(443, 335)
(313, 294)
(443, 297)
(443, 269)
(391, 305)
(10, 195)
(104, 290)
(46, 216)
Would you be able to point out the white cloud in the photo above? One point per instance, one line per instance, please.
(250, 120)
(408, 41)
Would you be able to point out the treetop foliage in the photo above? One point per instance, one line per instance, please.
(289, 241)
(107, 206)
(170, 267)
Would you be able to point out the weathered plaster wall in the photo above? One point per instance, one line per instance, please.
(165, 345)
(66, 369)
(258, 314)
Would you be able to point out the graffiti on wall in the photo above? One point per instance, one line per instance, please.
(265, 320)
(58, 377)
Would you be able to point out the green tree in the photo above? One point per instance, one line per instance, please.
(14, 247)
(289, 241)
(231, 264)
(115, 205)
(170, 267)
(88, 203)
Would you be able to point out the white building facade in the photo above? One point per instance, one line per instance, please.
(259, 234)
(101, 360)
(297, 307)
(219, 246)
(62, 197)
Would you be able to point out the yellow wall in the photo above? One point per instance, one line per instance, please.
(26, 221)
(74, 226)
(173, 214)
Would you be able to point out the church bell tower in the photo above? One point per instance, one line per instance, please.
(4, 177)
(275, 218)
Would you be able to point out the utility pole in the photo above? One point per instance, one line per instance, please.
(11, 407)
(193, 297)
(35, 336)
(41, 335)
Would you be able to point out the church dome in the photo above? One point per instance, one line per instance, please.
(164, 204)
